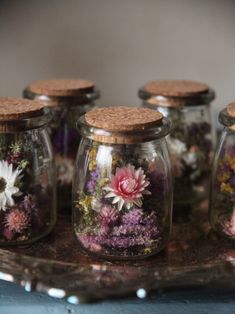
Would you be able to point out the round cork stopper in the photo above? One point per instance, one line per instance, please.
(62, 87)
(231, 110)
(120, 119)
(17, 109)
(176, 88)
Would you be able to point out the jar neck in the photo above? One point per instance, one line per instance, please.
(174, 101)
(125, 137)
(22, 125)
(226, 120)
(63, 101)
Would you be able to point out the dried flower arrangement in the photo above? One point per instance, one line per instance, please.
(122, 210)
(24, 189)
(224, 198)
(190, 147)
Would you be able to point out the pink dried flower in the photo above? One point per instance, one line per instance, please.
(127, 187)
(8, 234)
(88, 243)
(17, 220)
(108, 216)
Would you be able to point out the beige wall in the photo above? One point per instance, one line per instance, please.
(119, 44)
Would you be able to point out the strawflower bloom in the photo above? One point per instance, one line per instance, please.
(127, 187)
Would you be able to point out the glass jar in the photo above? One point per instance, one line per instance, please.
(192, 136)
(122, 192)
(27, 174)
(68, 100)
(222, 198)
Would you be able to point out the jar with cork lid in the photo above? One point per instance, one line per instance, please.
(68, 100)
(222, 198)
(122, 192)
(191, 141)
(27, 174)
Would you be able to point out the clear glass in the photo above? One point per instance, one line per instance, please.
(27, 181)
(222, 198)
(65, 137)
(191, 146)
(122, 195)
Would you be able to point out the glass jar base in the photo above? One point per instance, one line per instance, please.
(225, 229)
(97, 253)
(28, 241)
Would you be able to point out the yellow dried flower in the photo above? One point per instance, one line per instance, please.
(147, 250)
(92, 158)
(232, 163)
(85, 202)
(223, 177)
(92, 165)
(115, 159)
(103, 182)
(226, 187)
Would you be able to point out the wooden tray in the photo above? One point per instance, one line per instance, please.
(57, 267)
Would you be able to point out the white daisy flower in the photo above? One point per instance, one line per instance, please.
(8, 178)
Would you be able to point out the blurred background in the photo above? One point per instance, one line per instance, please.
(119, 44)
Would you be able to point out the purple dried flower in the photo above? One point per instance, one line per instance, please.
(28, 203)
(133, 217)
(137, 228)
(230, 151)
(30, 206)
(196, 128)
(205, 127)
(232, 180)
(91, 184)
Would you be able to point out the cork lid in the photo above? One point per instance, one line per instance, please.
(123, 125)
(176, 88)
(123, 118)
(175, 93)
(17, 109)
(62, 87)
(231, 110)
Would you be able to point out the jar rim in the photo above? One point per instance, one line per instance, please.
(29, 123)
(63, 101)
(123, 137)
(194, 99)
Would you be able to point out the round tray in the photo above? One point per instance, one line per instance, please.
(57, 266)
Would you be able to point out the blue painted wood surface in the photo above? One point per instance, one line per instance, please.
(14, 300)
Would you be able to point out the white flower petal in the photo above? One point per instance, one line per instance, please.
(10, 176)
(138, 202)
(110, 194)
(10, 200)
(12, 190)
(107, 188)
(120, 204)
(128, 205)
(3, 201)
(146, 192)
(137, 173)
(116, 199)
